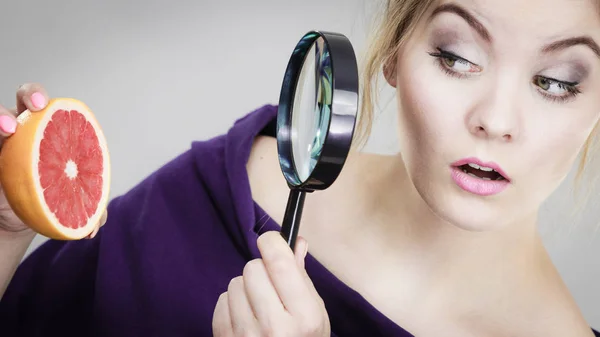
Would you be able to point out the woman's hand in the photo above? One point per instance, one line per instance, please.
(273, 297)
(32, 97)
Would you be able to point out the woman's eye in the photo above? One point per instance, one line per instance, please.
(457, 64)
(555, 90)
(554, 87)
(454, 64)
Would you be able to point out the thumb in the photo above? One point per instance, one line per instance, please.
(301, 251)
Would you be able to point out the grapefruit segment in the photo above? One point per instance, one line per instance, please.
(55, 170)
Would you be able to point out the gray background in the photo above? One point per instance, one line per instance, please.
(159, 74)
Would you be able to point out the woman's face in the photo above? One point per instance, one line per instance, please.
(508, 85)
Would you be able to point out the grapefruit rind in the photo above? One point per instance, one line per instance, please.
(20, 178)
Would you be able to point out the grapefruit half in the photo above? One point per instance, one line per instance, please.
(55, 170)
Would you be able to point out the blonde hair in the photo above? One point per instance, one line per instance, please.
(399, 19)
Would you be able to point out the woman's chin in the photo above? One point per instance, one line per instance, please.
(474, 222)
(467, 211)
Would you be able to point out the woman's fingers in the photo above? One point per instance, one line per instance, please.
(100, 224)
(243, 321)
(32, 97)
(8, 123)
(103, 218)
(300, 251)
(262, 296)
(274, 295)
(287, 277)
(221, 323)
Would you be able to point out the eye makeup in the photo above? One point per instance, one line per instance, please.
(447, 62)
(568, 70)
(454, 54)
(561, 80)
(456, 41)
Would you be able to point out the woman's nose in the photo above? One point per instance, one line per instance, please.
(497, 115)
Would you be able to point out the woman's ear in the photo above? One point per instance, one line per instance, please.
(389, 72)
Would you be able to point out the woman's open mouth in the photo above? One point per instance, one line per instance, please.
(477, 177)
(482, 172)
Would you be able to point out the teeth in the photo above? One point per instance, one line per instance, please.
(483, 168)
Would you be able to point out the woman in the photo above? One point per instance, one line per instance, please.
(495, 102)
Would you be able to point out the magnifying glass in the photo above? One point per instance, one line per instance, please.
(316, 119)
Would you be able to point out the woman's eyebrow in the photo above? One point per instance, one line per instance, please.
(483, 32)
(468, 17)
(573, 41)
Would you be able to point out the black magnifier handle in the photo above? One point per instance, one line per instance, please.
(292, 216)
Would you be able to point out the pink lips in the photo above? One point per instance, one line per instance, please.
(476, 185)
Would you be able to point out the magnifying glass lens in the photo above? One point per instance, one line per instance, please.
(311, 110)
(314, 133)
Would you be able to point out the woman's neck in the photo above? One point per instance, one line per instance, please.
(374, 217)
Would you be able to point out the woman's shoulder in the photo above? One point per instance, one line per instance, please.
(205, 186)
(267, 183)
(213, 168)
(542, 305)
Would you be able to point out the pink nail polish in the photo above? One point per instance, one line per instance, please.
(38, 100)
(8, 124)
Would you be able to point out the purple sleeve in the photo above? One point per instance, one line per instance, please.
(157, 264)
(56, 278)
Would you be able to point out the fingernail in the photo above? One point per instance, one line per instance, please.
(305, 250)
(38, 100)
(95, 232)
(302, 261)
(8, 124)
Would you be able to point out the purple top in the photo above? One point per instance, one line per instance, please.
(169, 249)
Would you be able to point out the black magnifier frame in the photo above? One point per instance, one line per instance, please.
(340, 131)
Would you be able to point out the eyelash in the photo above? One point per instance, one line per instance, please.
(442, 55)
(571, 88)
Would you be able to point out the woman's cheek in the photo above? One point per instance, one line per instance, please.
(432, 109)
(555, 140)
